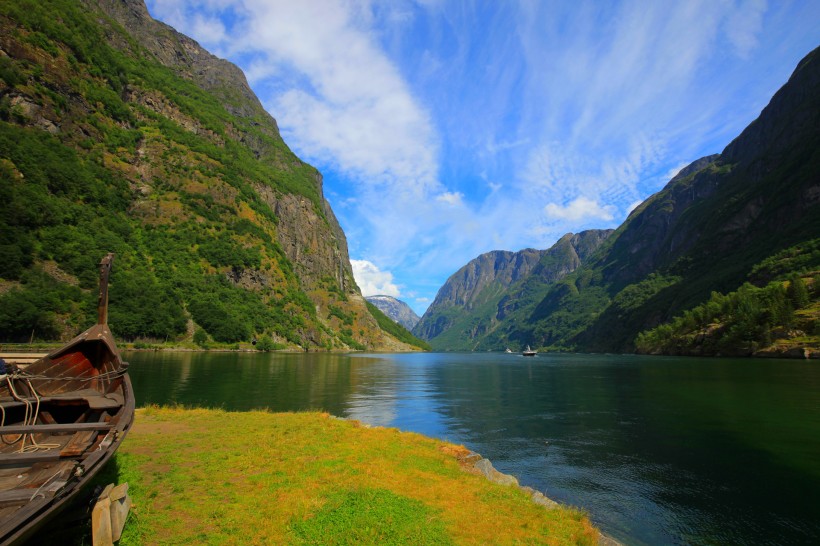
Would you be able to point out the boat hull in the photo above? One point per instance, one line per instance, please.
(62, 417)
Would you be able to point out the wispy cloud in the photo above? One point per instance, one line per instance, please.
(580, 209)
(446, 129)
(451, 198)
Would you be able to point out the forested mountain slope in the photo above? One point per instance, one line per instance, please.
(486, 294)
(711, 229)
(119, 134)
(706, 230)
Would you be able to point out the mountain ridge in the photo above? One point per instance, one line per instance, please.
(481, 294)
(705, 231)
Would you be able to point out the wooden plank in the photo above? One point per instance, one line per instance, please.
(61, 427)
(19, 495)
(29, 458)
(21, 358)
(120, 506)
(79, 443)
(101, 521)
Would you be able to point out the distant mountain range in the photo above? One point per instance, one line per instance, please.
(710, 229)
(480, 296)
(396, 310)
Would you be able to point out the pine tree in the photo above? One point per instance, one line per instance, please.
(798, 292)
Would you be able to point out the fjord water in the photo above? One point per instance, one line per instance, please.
(658, 450)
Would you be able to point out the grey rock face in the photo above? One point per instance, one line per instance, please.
(500, 278)
(397, 310)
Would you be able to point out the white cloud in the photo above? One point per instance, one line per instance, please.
(210, 29)
(450, 198)
(372, 281)
(356, 112)
(580, 209)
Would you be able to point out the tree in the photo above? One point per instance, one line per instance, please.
(798, 292)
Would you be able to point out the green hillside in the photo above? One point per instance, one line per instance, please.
(105, 148)
(704, 233)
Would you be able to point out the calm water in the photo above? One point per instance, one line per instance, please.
(658, 450)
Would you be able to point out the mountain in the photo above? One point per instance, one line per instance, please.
(481, 295)
(704, 232)
(750, 213)
(117, 133)
(396, 310)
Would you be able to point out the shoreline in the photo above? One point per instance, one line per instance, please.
(791, 353)
(197, 473)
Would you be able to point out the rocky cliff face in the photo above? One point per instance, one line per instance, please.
(564, 257)
(396, 310)
(499, 269)
(703, 232)
(483, 293)
(481, 280)
(308, 232)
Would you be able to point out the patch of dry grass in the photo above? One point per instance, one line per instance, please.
(215, 477)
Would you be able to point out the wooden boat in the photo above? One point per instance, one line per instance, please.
(528, 352)
(61, 419)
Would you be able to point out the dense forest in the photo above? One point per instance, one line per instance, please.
(776, 318)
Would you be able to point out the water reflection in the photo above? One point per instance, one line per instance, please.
(658, 450)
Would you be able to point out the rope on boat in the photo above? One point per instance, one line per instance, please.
(44, 484)
(22, 374)
(29, 415)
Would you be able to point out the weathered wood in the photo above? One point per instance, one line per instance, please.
(79, 443)
(21, 358)
(24, 495)
(29, 458)
(45, 429)
(101, 520)
(120, 506)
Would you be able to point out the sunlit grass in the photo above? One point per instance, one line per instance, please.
(201, 476)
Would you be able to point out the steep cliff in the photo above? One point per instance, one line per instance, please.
(703, 232)
(706, 231)
(118, 133)
(483, 294)
(308, 230)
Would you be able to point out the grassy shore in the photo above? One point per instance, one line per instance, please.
(200, 476)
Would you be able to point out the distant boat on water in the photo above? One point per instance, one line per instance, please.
(508, 350)
(528, 352)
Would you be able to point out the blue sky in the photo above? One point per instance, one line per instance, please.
(448, 129)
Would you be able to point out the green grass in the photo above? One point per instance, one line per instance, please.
(200, 476)
(372, 516)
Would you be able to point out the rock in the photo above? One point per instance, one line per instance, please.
(396, 310)
(541, 499)
(496, 272)
(485, 467)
